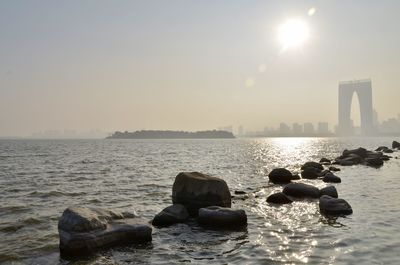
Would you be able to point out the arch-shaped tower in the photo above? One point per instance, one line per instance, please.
(363, 89)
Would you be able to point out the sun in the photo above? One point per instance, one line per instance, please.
(293, 33)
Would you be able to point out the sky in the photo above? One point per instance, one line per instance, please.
(189, 65)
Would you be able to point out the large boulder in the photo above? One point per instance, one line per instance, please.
(195, 190)
(280, 176)
(220, 217)
(330, 191)
(301, 190)
(331, 178)
(84, 230)
(374, 162)
(279, 198)
(361, 152)
(173, 214)
(312, 164)
(395, 145)
(334, 207)
(310, 173)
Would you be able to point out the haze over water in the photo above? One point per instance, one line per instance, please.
(39, 178)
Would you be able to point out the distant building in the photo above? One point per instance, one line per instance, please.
(226, 128)
(323, 128)
(240, 130)
(284, 129)
(308, 128)
(297, 129)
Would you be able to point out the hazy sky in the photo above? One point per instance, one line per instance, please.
(116, 65)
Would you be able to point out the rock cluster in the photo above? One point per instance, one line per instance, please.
(364, 157)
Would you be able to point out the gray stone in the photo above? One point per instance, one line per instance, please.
(279, 198)
(330, 191)
(280, 176)
(335, 207)
(396, 145)
(301, 190)
(310, 173)
(374, 162)
(195, 190)
(84, 230)
(331, 178)
(220, 217)
(312, 164)
(173, 214)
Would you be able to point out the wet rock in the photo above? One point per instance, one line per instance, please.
(312, 164)
(335, 207)
(239, 192)
(195, 190)
(331, 178)
(84, 230)
(173, 214)
(330, 191)
(385, 157)
(301, 190)
(279, 198)
(310, 173)
(280, 176)
(374, 162)
(220, 217)
(296, 177)
(325, 161)
(361, 152)
(395, 145)
(332, 168)
(381, 148)
(324, 172)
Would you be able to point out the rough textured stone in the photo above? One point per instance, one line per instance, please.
(331, 178)
(279, 198)
(84, 230)
(301, 190)
(330, 191)
(312, 164)
(280, 176)
(173, 214)
(195, 190)
(335, 207)
(220, 217)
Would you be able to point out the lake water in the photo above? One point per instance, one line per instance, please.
(40, 178)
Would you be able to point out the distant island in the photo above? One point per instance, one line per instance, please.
(156, 134)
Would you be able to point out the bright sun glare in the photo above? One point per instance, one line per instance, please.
(293, 33)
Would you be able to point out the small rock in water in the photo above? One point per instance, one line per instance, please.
(301, 190)
(330, 191)
(335, 207)
(310, 173)
(173, 214)
(239, 192)
(220, 217)
(296, 177)
(280, 176)
(324, 161)
(195, 190)
(332, 168)
(279, 198)
(331, 178)
(312, 164)
(396, 145)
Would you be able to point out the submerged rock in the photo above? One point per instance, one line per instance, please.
(296, 177)
(280, 176)
(310, 173)
(331, 178)
(195, 190)
(324, 161)
(279, 198)
(84, 230)
(301, 190)
(361, 152)
(332, 168)
(395, 145)
(220, 217)
(332, 206)
(173, 214)
(330, 191)
(312, 164)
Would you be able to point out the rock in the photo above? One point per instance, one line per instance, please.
(195, 190)
(332, 168)
(324, 172)
(296, 177)
(350, 159)
(395, 145)
(220, 217)
(84, 230)
(385, 157)
(279, 198)
(381, 148)
(374, 162)
(331, 178)
(280, 176)
(333, 206)
(330, 191)
(301, 190)
(312, 164)
(324, 161)
(310, 173)
(239, 192)
(361, 152)
(173, 214)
